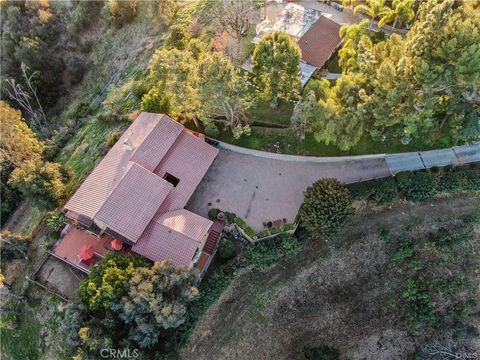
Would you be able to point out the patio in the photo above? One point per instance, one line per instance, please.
(69, 246)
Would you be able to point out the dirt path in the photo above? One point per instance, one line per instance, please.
(306, 301)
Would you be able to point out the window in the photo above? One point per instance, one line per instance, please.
(171, 179)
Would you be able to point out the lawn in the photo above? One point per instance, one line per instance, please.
(285, 141)
(263, 114)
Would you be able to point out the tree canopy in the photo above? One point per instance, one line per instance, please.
(276, 66)
(157, 300)
(18, 143)
(107, 282)
(326, 208)
(421, 88)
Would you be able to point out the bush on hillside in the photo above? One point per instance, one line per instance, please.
(153, 101)
(380, 191)
(472, 180)
(112, 138)
(226, 249)
(416, 186)
(120, 12)
(212, 130)
(81, 16)
(322, 352)
(326, 208)
(13, 246)
(110, 117)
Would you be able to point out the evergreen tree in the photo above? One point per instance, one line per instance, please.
(157, 301)
(276, 66)
(223, 92)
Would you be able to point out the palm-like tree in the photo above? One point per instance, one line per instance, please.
(401, 11)
(354, 31)
(372, 8)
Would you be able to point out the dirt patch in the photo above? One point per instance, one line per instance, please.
(308, 300)
(59, 277)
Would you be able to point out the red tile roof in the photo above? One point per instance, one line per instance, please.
(320, 42)
(188, 160)
(162, 243)
(160, 140)
(127, 193)
(96, 188)
(133, 203)
(185, 222)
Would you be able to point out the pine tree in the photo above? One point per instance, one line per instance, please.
(276, 66)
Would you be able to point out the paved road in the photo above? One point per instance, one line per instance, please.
(261, 189)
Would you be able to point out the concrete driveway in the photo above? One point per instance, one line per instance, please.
(261, 189)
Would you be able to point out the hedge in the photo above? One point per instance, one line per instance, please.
(416, 186)
(248, 230)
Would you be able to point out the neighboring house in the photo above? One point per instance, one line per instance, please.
(137, 195)
(317, 36)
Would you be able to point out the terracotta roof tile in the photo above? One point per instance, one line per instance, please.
(156, 145)
(320, 41)
(188, 160)
(96, 188)
(159, 242)
(134, 202)
(185, 222)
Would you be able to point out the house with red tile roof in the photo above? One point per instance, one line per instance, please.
(315, 33)
(138, 192)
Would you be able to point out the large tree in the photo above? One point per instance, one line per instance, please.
(223, 91)
(233, 16)
(107, 282)
(156, 301)
(326, 208)
(172, 78)
(18, 142)
(420, 88)
(372, 8)
(42, 183)
(276, 66)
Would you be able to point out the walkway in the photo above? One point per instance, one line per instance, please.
(261, 186)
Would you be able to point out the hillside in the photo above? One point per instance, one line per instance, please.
(345, 299)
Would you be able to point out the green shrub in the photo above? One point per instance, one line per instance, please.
(287, 227)
(276, 230)
(56, 221)
(226, 249)
(471, 180)
(212, 130)
(450, 181)
(120, 12)
(179, 36)
(212, 213)
(81, 15)
(263, 233)
(418, 186)
(322, 352)
(109, 117)
(112, 138)
(248, 230)
(262, 254)
(380, 191)
(290, 245)
(155, 102)
(326, 208)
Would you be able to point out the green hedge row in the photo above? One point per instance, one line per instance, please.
(416, 186)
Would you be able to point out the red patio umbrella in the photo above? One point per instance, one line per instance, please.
(86, 252)
(116, 244)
